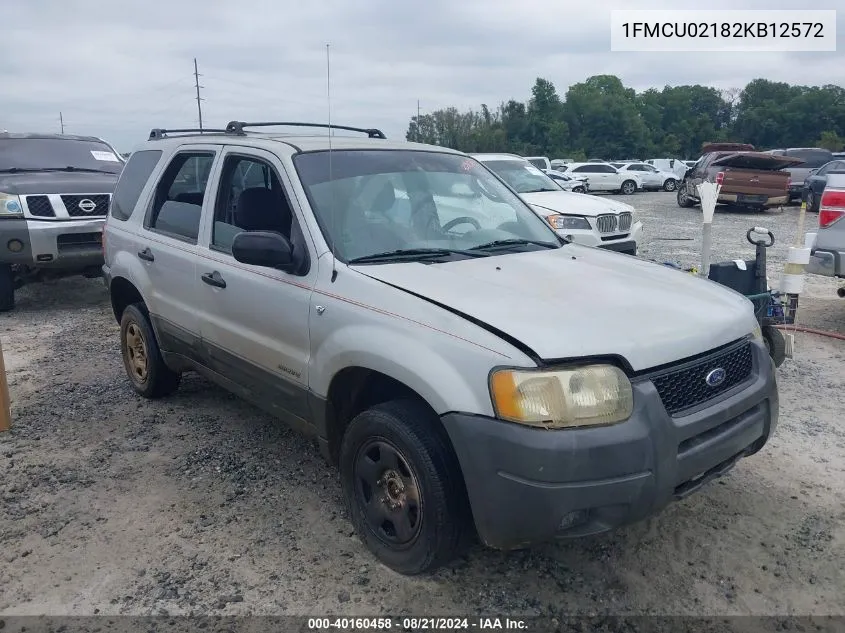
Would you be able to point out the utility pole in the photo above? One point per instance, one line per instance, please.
(418, 120)
(199, 99)
(62, 122)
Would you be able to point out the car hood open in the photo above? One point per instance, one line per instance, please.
(574, 203)
(579, 301)
(756, 160)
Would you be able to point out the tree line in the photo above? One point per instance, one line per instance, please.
(601, 118)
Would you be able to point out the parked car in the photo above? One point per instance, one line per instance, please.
(584, 219)
(540, 162)
(674, 165)
(605, 177)
(578, 184)
(748, 178)
(652, 178)
(54, 194)
(827, 253)
(814, 158)
(559, 162)
(815, 181)
(462, 364)
(839, 155)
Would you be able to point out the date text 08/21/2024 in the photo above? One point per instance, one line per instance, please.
(417, 624)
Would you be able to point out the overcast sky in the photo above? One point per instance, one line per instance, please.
(116, 68)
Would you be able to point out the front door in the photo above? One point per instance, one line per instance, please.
(255, 319)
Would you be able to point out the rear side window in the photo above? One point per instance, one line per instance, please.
(177, 204)
(131, 183)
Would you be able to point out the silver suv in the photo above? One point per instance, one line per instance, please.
(468, 370)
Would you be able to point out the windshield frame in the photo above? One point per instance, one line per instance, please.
(520, 205)
(31, 160)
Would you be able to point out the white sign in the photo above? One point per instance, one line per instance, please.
(108, 156)
(721, 31)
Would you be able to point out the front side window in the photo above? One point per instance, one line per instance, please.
(377, 202)
(250, 198)
(57, 154)
(179, 195)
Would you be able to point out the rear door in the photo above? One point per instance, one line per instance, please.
(167, 247)
(254, 320)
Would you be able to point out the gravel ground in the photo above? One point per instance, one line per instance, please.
(201, 504)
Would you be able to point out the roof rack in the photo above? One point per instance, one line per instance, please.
(157, 132)
(237, 127)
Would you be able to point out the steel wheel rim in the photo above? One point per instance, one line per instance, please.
(137, 358)
(388, 493)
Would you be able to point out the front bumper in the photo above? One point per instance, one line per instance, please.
(623, 243)
(530, 485)
(52, 244)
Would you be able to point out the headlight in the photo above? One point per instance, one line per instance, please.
(563, 222)
(10, 206)
(584, 396)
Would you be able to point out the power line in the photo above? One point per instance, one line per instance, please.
(199, 99)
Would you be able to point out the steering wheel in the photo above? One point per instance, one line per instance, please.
(461, 220)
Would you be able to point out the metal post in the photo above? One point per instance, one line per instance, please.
(5, 401)
(62, 122)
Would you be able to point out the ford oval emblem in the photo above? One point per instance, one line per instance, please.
(715, 377)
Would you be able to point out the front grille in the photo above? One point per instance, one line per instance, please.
(100, 205)
(606, 223)
(40, 207)
(684, 388)
(625, 221)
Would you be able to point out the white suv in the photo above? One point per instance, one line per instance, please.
(585, 219)
(605, 177)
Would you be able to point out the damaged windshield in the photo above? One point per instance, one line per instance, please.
(398, 205)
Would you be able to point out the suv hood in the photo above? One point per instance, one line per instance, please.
(756, 160)
(47, 182)
(579, 301)
(574, 203)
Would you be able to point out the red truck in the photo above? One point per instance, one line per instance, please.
(749, 178)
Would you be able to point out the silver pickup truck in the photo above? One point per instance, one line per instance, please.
(827, 254)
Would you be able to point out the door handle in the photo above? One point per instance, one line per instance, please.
(146, 255)
(214, 279)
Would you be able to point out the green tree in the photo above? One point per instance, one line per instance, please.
(831, 140)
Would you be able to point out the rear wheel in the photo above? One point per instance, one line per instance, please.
(7, 288)
(670, 184)
(403, 487)
(145, 367)
(812, 202)
(683, 198)
(628, 187)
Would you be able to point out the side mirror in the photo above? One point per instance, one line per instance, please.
(263, 248)
(812, 172)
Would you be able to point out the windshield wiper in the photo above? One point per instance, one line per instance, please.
(411, 254)
(543, 190)
(16, 170)
(514, 242)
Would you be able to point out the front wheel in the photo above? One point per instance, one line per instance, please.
(7, 288)
(629, 187)
(775, 344)
(403, 487)
(812, 202)
(670, 184)
(579, 190)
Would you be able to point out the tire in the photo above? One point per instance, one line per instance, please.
(7, 288)
(399, 446)
(670, 185)
(775, 344)
(579, 190)
(684, 201)
(812, 202)
(628, 187)
(142, 360)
